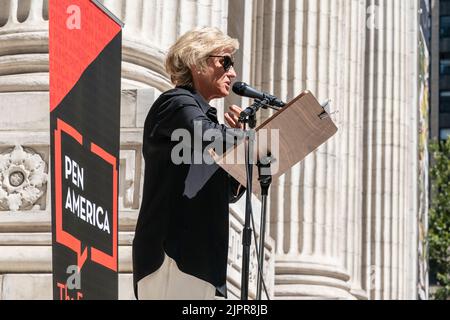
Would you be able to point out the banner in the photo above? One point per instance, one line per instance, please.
(85, 75)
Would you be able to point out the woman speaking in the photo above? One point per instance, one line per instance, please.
(180, 247)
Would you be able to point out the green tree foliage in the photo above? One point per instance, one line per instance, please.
(439, 218)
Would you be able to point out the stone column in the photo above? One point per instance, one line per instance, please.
(389, 146)
(151, 27)
(353, 136)
(343, 207)
(308, 212)
(415, 255)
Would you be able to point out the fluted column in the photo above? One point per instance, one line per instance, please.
(305, 220)
(389, 134)
(343, 206)
(350, 140)
(374, 150)
(416, 199)
(151, 27)
(354, 139)
(396, 182)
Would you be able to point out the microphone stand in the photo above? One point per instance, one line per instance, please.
(265, 179)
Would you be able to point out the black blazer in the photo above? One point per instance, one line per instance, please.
(184, 210)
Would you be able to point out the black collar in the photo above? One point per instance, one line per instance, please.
(199, 98)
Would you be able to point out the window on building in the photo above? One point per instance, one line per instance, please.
(444, 133)
(445, 27)
(444, 102)
(445, 67)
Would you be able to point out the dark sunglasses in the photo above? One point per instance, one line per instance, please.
(226, 62)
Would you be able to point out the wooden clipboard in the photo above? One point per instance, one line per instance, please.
(288, 136)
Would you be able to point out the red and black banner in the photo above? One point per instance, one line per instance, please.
(85, 75)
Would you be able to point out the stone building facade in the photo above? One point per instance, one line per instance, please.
(343, 223)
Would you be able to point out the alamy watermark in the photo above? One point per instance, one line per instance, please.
(74, 280)
(74, 20)
(225, 146)
(374, 20)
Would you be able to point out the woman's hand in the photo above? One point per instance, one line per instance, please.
(232, 116)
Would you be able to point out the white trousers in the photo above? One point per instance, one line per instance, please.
(169, 283)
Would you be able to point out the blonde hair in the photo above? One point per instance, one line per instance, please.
(192, 49)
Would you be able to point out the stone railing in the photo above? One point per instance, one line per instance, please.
(19, 16)
(24, 45)
(24, 50)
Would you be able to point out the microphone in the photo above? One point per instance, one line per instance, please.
(243, 89)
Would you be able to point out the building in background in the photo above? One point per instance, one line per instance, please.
(440, 84)
(346, 223)
(440, 78)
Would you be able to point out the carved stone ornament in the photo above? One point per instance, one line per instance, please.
(22, 179)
